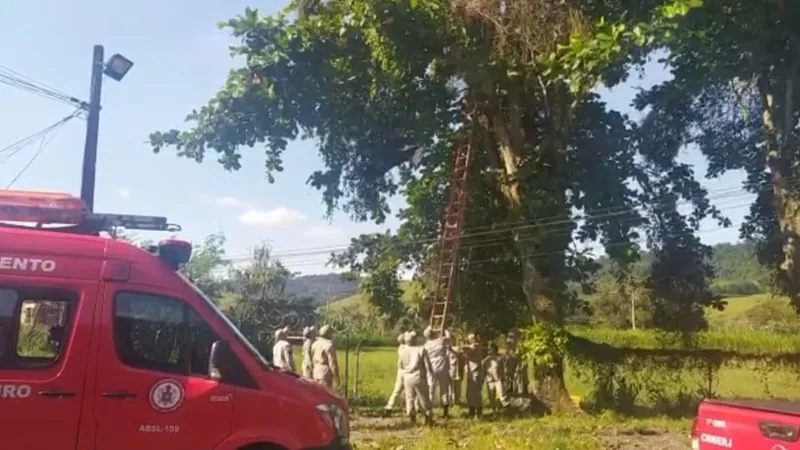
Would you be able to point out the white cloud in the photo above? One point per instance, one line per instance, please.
(325, 232)
(124, 192)
(232, 201)
(273, 217)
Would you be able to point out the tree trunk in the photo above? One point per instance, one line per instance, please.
(549, 382)
(779, 161)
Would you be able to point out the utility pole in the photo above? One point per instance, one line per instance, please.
(92, 127)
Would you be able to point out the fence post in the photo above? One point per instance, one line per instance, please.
(358, 360)
(346, 362)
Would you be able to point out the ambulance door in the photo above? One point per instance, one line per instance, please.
(153, 388)
(45, 331)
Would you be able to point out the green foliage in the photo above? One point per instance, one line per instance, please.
(206, 264)
(387, 89)
(544, 345)
(734, 67)
(261, 304)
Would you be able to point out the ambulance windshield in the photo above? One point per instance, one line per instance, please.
(243, 340)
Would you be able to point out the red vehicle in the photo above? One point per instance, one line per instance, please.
(104, 345)
(747, 425)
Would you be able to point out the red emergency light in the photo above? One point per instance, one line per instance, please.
(41, 207)
(175, 252)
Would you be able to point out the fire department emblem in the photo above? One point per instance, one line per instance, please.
(166, 396)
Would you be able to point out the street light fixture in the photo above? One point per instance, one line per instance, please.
(117, 67)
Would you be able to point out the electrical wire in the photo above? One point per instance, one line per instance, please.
(531, 225)
(45, 140)
(514, 255)
(16, 80)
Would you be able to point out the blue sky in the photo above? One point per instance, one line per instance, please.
(181, 58)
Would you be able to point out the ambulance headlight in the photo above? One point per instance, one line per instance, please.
(337, 417)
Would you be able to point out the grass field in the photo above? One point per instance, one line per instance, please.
(369, 390)
(370, 378)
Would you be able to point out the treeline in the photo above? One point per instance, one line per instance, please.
(736, 269)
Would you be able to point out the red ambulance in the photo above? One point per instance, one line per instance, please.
(107, 346)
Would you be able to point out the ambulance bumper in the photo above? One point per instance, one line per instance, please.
(337, 444)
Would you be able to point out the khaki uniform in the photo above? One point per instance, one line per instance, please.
(283, 356)
(398, 382)
(456, 365)
(326, 367)
(414, 364)
(474, 354)
(493, 368)
(439, 376)
(308, 364)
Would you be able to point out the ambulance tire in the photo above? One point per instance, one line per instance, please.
(263, 447)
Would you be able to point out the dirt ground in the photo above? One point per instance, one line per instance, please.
(647, 439)
(369, 432)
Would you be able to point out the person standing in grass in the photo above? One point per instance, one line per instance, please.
(493, 368)
(439, 376)
(323, 355)
(415, 365)
(282, 355)
(398, 382)
(474, 354)
(456, 366)
(308, 341)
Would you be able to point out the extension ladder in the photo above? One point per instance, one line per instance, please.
(450, 238)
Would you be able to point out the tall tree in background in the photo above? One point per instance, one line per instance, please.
(262, 304)
(736, 67)
(206, 264)
(377, 82)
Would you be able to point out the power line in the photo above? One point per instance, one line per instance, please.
(45, 139)
(528, 225)
(14, 148)
(514, 255)
(16, 80)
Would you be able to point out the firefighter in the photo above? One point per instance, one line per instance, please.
(473, 355)
(439, 376)
(494, 374)
(414, 363)
(308, 341)
(282, 355)
(323, 356)
(456, 366)
(398, 382)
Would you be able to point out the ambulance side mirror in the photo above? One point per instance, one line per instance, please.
(220, 352)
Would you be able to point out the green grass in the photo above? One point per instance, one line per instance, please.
(550, 433)
(375, 379)
(738, 306)
(359, 303)
(376, 375)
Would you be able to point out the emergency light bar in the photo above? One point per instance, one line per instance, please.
(41, 207)
(49, 208)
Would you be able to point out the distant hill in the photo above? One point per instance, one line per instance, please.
(322, 288)
(737, 273)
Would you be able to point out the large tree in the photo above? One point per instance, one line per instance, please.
(736, 67)
(388, 88)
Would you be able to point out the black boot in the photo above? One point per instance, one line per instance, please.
(429, 420)
(478, 413)
(445, 412)
(471, 412)
(413, 419)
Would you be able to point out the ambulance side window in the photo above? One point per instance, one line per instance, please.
(33, 326)
(160, 333)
